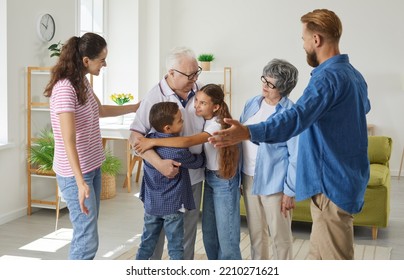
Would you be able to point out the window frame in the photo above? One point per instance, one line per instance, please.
(98, 82)
(4, 122)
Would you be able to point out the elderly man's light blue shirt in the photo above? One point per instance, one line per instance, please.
(275, 166)
(333, 144)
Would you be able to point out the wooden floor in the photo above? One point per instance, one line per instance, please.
(300, 250)
(121, 222)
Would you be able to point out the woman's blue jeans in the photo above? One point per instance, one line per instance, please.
(84, 243)
(221, 217)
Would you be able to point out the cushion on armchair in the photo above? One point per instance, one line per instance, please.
(379, 149)
(378, 175)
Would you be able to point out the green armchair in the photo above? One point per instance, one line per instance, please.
(376, 210)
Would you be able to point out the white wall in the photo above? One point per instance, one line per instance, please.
(149, 44)
(24, 48)
(247, 34)
(123, 50)
(122, 62)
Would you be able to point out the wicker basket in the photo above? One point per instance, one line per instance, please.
(108, 188)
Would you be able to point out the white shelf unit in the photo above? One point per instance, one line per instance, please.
(220, 77)
(38, 104)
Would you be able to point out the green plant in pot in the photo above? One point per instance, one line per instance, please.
(41, 158)
(55, 49)
(111, 165)
(205, 59)
(109, 169)
(42, 151)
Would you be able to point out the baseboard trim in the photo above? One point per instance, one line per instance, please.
(10, 216)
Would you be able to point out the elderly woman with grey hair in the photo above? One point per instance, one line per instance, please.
(269, 170)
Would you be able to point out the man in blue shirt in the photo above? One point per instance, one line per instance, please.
(166, 199)
(332, 165)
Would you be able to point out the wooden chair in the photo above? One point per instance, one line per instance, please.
(133, 160)
(58, 202)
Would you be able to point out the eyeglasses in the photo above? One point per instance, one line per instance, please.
(192, 75)
(268, 83)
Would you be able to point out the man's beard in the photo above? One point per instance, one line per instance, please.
(312, 59)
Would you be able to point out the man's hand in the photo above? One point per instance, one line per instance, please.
(168, 167)
(230, 136)
(133, 138)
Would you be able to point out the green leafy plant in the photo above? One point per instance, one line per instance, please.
(206, 57)
(111, 164)
(55, 49)
(43, 149)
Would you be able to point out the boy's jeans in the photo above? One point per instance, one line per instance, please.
(174, 229)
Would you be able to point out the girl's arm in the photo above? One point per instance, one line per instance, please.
(143, 144)
(167, 167)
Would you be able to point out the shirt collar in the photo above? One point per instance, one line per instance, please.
(167, 91)
(282, 103)
(336, 58)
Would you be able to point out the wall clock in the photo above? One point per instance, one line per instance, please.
(46, 27)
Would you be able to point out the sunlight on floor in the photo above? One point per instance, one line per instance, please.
(124, 247)
(51, 242)
(17, 258)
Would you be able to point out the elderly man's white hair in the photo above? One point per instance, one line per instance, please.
(175, 56)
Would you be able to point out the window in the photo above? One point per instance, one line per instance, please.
(92, 20)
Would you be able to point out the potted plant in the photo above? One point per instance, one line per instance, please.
(42, 151)
(205, 59)
(109, 169)
(41, 158)
(55, 49)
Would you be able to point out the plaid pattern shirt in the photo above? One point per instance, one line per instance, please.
(162, 195)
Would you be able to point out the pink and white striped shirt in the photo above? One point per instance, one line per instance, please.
(88, 134)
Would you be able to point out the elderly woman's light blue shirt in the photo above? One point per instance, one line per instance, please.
(275, 167)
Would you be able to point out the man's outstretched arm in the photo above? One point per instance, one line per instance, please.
(230, 136)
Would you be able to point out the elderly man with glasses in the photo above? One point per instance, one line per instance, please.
(178, 85)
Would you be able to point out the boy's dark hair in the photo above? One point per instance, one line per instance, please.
(162, 114)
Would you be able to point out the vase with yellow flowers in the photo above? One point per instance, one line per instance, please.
(121, 99)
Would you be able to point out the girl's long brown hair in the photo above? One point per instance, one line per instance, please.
(70, 64)
(228, 156)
